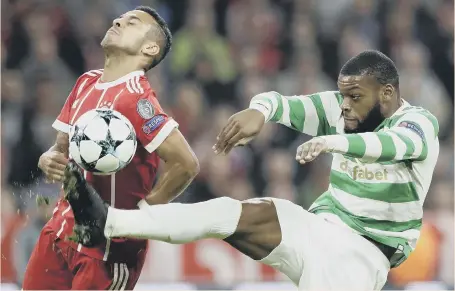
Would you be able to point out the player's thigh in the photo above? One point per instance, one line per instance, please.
(91, 274)
(338, 259)
(47, 268)
(288, 256)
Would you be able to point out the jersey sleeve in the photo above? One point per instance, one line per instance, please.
(410, 138)
(151, 123)
(62, 123)
(315, 114)
(63, 119)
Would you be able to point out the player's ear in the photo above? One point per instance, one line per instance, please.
(387, 92)
(151, 49)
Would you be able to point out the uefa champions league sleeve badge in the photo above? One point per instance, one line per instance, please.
(145, 109)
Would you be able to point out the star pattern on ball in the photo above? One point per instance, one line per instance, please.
(95, 142)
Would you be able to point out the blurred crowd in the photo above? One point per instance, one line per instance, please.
(225, 52)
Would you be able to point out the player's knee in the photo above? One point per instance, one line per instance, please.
(256, 212)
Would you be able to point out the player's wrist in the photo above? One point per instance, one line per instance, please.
(261, 109)
(335, 143)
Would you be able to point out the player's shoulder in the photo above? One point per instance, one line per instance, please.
(145, 101)
(334, 95)
(92, 74)
(86, 79)
(89, 76)
(411, 115)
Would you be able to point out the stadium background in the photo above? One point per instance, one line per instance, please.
(224, 52)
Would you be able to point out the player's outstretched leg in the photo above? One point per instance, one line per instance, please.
(90, 211)
(250, 226)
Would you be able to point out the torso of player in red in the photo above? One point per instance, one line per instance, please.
(132, 96)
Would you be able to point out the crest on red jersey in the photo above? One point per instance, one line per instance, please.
(145, 109)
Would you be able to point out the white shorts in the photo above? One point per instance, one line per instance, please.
(320, 255)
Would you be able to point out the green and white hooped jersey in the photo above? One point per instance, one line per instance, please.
(378, 180)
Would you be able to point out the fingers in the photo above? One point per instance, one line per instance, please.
(227, 128)
(55, 171)
(308, 151)
(219, 145)
(227, 138)
(53, 178)
(233, 142)
(59, 162)
(53, 166)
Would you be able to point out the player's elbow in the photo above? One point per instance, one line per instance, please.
(192, 166)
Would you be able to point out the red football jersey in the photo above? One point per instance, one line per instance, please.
(133, 97)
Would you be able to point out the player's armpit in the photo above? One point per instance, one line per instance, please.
(181, 166)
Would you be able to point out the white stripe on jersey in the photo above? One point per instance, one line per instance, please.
(94, 73)
(133, 85)
(80, 105)
(127, 275)
(61, 228)
(101, 98)
(108, 242)
(129, 87)
(162, 135)
(66, 210)
(115, 98)
(116, 277)
(138, 84)
(79, 90)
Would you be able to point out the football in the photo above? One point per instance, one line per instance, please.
(102, 141)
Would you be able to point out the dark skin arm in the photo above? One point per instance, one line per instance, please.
(181, 166)
(240, 129)
(54, 160)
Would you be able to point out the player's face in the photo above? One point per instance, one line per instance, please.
(129, 33)
(361, 107)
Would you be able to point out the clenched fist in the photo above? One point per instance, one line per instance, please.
(240, 129)
(311, 150)
(53, 164)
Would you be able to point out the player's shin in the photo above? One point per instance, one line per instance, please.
(176, 222)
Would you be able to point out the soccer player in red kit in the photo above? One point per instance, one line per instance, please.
(137, 41)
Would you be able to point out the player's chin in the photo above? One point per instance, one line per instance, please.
(107, 42)
(350, 125)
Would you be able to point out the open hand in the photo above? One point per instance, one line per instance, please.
(240, 129)
(311, 150)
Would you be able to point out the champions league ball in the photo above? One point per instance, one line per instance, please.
(102, 141)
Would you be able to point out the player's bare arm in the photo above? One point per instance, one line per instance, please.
(181, 166)
(295, 112)
(54, 160)
(240, 129)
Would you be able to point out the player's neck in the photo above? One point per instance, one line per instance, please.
(394, 107)
(116, 67)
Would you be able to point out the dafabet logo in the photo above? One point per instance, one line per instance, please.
(362, 172)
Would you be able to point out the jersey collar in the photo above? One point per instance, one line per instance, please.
(404, 104)
(106, 85)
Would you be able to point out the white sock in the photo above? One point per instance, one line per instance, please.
(176, 223)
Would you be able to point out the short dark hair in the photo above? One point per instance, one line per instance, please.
(164, 30)
(372, 63)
